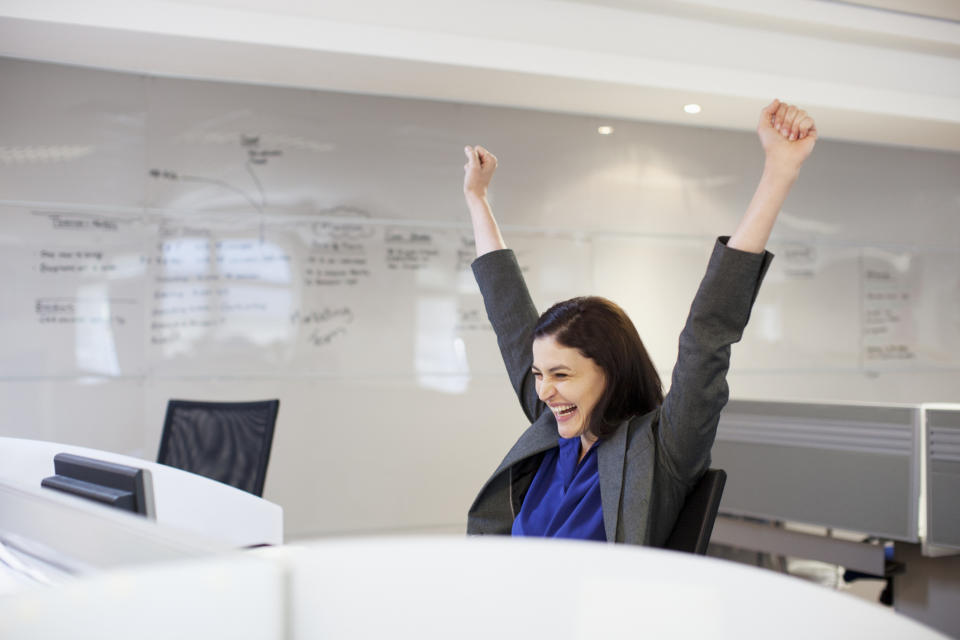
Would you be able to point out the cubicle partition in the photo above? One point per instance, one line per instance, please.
(889, 472)
(887, 475)
(854, 467)
(943, 475)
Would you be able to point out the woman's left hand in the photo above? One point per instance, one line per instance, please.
(787, 134)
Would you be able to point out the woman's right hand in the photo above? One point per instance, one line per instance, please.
(478, 171)
(477, 174)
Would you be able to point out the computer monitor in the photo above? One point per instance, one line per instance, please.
(109, 483)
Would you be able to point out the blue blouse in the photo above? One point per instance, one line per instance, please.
(564, 498)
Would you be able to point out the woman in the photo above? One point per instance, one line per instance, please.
(607, 456)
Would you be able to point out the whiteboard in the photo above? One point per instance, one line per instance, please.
(132, 295)
(172, 238)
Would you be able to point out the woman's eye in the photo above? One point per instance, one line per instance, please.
(537, 375)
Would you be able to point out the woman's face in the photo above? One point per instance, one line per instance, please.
(568, 382)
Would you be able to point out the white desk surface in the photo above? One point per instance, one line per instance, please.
(225, 597)
(425, 588)
(524, 588)
(182, 500)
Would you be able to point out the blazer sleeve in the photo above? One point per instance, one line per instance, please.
(698, 388)
(513, 316)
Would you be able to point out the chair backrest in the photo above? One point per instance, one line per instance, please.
(691, 533)
(226, 441)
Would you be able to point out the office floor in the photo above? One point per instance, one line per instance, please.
(830, 576)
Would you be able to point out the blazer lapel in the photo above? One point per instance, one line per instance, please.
(539, 436)
(610, 457)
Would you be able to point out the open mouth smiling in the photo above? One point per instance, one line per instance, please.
(563, 410)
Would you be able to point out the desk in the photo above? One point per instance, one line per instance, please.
(482, 588)
(225, 597)
(60, 535)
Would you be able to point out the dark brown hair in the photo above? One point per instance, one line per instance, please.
(601, 331)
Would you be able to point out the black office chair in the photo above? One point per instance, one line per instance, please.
(691, 533)
(226, 441)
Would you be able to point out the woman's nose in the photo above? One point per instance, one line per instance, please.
(545, 391)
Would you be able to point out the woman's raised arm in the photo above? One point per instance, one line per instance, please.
(787, 135)
(721, 307)
(505, 296)
(477, 173)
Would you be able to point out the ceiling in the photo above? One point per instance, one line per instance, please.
(883, 72)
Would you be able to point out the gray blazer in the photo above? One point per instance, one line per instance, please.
(651, 462)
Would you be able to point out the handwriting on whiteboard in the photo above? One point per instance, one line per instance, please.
(887, 329)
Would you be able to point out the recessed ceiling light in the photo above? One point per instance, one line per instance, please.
(691, 108)
(605, 130)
